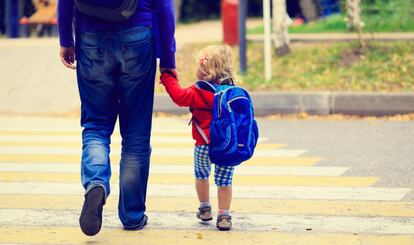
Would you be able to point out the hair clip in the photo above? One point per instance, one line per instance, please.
(203, 61)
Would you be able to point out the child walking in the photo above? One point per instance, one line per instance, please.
(214, 66)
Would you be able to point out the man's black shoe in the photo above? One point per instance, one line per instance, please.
(91, 216)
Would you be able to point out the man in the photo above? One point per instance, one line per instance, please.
(115, 69)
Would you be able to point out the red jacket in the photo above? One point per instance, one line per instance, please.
(201, 102)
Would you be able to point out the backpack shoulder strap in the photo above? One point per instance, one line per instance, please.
(200, 131)
(204, 85)
(207, 86)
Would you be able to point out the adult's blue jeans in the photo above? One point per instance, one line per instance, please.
(116, 73)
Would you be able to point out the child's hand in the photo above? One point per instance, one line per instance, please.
(172, 72)
(169, 70)
(168, 74)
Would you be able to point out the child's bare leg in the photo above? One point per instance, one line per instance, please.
(202, 168)
(204, 211)
(223, 177)
(203, 190)
(224, 194)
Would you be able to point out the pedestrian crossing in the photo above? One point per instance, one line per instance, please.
(280, 196)
(252, 222)
(156, 151)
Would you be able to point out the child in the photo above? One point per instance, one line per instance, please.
(215, 66)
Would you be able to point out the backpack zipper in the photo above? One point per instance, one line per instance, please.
(221, 94)
(234, 99)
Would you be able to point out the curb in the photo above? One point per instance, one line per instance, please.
(372, 104)
(341, 37)
(316, 103)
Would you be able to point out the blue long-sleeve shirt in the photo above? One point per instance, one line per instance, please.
(156, 13)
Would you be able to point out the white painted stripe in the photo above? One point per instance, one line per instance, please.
(64, 121)
(178, 169)
(271, 192)
(40, 128)
(155, 151)
(6, 120)
(77, 129)
(241, 222)
(57, 138)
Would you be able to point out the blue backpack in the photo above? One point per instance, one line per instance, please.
(233, 130)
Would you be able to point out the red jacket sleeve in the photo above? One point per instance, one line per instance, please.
(181, 96)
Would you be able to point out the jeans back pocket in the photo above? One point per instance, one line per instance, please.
(138, 57)
(91, 62)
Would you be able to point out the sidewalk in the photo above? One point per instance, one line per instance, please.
(34, 82)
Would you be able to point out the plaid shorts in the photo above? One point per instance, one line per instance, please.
(223, 175)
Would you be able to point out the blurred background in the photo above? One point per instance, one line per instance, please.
(317, 45)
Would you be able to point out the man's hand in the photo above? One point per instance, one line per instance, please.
(67, 56)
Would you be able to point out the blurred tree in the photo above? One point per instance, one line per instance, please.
(354, 19)
(280, 27)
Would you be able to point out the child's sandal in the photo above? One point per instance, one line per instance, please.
(223, 222)
(204, 213)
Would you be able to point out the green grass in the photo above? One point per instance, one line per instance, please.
(383, 16)
(389, 16)
(334, 23)
(382, 67)
(321, 67)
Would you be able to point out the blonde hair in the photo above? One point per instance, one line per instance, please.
(215, 62)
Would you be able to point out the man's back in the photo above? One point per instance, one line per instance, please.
(142, 17)
(149, 13)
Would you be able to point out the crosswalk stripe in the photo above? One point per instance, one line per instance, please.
(243, 169)
(78, 133)
(189, 179)
(155, 151)
(248, 206)
(271, 192)
(48, 138)
(72, 235)
(261, 146)
(166, 160)
(64, 122)
(241, 222)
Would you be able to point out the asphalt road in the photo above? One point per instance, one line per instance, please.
(369, 148)
(279, 195)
